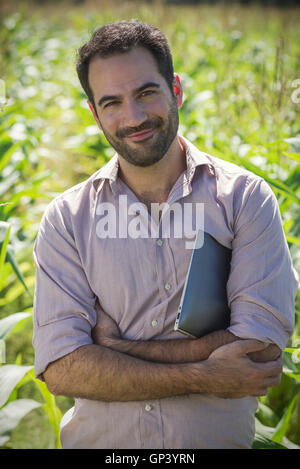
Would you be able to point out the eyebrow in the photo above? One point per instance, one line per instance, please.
(149, 84)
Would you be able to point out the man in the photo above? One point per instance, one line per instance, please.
(106, 302)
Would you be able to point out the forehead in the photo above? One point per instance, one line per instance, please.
(121, 73)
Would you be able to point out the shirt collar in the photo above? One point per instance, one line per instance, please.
(194, 158)
(108, 171)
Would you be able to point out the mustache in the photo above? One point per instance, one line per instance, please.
(147, 125)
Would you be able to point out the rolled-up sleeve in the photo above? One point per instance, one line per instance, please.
(64, 304)
(262, 285)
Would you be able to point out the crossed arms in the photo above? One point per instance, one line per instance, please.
(113, 369)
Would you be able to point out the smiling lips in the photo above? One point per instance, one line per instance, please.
(143, 135)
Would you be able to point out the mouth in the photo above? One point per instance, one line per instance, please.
(141, 136)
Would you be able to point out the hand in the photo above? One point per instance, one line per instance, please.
(105, 330)
(235, 375)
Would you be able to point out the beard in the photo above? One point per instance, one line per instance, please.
(149, 152)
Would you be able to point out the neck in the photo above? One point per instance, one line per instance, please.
(155, 181)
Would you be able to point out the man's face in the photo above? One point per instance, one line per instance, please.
(136, 110)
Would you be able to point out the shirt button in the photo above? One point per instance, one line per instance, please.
(167, 286)
(148, 407)
(154, 323)
(159, 242)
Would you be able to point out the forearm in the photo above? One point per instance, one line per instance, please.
(184, 350)
(98, 373)
(172, 350)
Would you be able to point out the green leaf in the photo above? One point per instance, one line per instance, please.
(15, 291)
(7, 254)
(264, 438)
(4, 227)
(262, 442)
(51, 409)
(12, 414)
(18, 361)
(290, 350)
(266, 415)
(4, 234)
(9, 182)
(12, 260)
(8, 324)
(292, 374)
(293, 239)
(282, 188)
(10, 375)
(5, 158)
(294, 143)
(282, 426)
(292, 156)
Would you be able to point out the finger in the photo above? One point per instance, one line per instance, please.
(244, 346)
(271, 368)
(274, 381)
(262, 388)
(261, 392)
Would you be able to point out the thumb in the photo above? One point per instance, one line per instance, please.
(244, 346)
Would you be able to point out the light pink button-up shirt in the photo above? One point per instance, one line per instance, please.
(139, 283)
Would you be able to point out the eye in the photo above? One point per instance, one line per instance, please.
(111, 103)
(147, 93)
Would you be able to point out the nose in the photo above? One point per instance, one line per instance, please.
(134, 114)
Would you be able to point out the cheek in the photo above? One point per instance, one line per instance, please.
(109, 123)
(159, 107)
(166, 108)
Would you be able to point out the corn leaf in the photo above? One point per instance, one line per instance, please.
(8, 324)
(282, 426)
(10, 375)
(262, 442)
(51, 409)
(12, 414)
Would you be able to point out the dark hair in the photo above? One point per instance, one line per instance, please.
(121, 37)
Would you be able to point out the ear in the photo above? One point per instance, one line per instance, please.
(177, 87)
(94, 114)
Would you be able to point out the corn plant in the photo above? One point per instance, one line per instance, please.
(238, 72)
(13, 376)
(21, 178)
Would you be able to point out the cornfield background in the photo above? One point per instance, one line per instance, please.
(240, 69)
